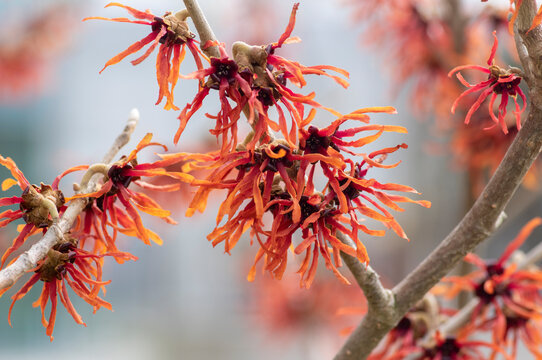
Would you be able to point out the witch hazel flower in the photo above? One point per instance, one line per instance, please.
(39, 206)
(115, 206)
(67, 265)
(172, 33)
(508, 297)
(500, 82)
(256, 79)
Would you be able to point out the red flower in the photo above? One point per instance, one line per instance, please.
(105, 211)
(31, 47)
(513, 294)
(255, 80)
(500, 82)
(417, 44)
(82, 271)
(172, 32)
(458, 348)
(222, 76)
(411, 330)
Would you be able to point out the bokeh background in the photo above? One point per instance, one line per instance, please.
(185, 299)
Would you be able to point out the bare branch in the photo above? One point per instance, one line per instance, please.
(29, 259)
(123, 137)
(379, 298)
(202, 26)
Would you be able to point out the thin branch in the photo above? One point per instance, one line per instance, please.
(202, 26)
(480, 221)
(123, 137)
(29, 259)
(379, 299)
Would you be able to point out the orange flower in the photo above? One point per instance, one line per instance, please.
(500, 82)
(31, 46)
(278, 178)
(411, 330)
(172, 32)
(418, 47)
(459, 348)
(481, 152)
(82, 271)
(222, 76)
(104, 211)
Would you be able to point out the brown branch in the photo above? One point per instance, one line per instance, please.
(29, 259)
(202, 26)
(480, 221)
(379, 299)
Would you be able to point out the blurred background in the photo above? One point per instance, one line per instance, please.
(185, 299)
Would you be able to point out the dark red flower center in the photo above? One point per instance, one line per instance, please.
(404, 325)
(118, 179)
(224, 69)
(116, 175)
(515, 322)
(353, 190)
(508, 88)
(307, 209)
(265, 95)
(498, 290)
(449, 348)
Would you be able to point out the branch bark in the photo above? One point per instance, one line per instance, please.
(379, 299)
(481, 219)
(29, 259)
(202, 26)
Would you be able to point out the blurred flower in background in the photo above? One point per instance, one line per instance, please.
(30, 47)
(316, 317)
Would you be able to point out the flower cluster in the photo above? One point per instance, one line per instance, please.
(507, 304)
(76, 261)
(256, 80)
(265, 175)
(418, 45)
(272, 178)
(276, 179)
